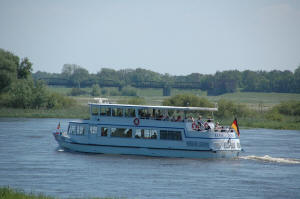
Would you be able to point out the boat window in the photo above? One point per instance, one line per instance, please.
(95, 110)
(72, 129)
(129, 112)
(146, 133)
(104, 111)
(143, 113)
(104, 131)
(93, 129)
(121, 132)
(170, 135)
(117, 112)
(80, 130)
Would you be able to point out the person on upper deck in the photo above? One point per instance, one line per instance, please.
(200, 121)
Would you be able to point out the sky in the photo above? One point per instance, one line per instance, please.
(178, 37)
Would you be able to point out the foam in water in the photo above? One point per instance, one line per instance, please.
(267, 158)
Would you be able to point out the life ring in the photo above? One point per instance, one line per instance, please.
(136, 121)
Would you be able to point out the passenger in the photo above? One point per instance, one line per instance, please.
(142, 133)
(200, 122)
(154, 136)
(218, 127)
(178, 118)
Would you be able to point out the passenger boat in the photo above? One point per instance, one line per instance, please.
(164, 131)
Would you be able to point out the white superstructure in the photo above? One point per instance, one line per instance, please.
(166, 131)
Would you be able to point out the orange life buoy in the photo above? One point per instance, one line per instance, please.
(136, 121)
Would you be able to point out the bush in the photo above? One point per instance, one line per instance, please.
(77, 91)
(274, 115)
(288, 108)
(228, 109)
(56, 100)
(114, 93)
(104, 91)
(95, 90)
(187, 100)
(128, 91)
(21, 94)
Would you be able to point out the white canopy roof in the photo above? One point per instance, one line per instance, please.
(157, 107)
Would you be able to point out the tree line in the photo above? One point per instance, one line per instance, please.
(229, 81)
(19, 90)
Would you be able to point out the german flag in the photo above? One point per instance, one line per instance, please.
(235, 126)
(58, 126)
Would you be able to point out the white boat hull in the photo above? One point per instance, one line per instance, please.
(145, 151)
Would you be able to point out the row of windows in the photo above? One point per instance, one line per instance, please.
(126, 132)
(115, 112)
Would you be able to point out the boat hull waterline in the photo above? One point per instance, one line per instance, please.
(145, 151)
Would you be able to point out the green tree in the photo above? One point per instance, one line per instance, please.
(24, 69)
(40, 95)
(21, 94)
(8, 69)
(79, 75)
(297, 80)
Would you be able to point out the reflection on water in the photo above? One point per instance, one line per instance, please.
(31, 160)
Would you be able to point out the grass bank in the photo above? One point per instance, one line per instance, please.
(260, 121)
(8, 193)
(72, 112)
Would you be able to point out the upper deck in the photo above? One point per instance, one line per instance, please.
(165, 113)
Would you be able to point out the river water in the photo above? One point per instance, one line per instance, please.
(31, 160)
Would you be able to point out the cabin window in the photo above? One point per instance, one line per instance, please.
(121, 132)
(143, 113)
(170, 135)
(104, 131)
(129, 112)
(104, 111)
(72, 129)
(146, 133)
(95, 110)
(80, 130)
(93, 129)
(117, 112)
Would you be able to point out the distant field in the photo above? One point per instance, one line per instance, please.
(155, 96)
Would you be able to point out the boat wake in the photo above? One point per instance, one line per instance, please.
(267, 158)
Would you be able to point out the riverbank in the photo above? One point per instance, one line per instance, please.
(9, 193)
(72, 112)
(82, 112)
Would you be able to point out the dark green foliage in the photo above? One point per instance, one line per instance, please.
(77, 91)
(274, 115)
(187, 100)
(229, 109)
(18, 90)
(8, 69)
(40, 95)
(75, 74)
(219, 83)
(56, 100)
(128, 91)
(24, 69)
(291, 108)
(114, 92)
(21, 94)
